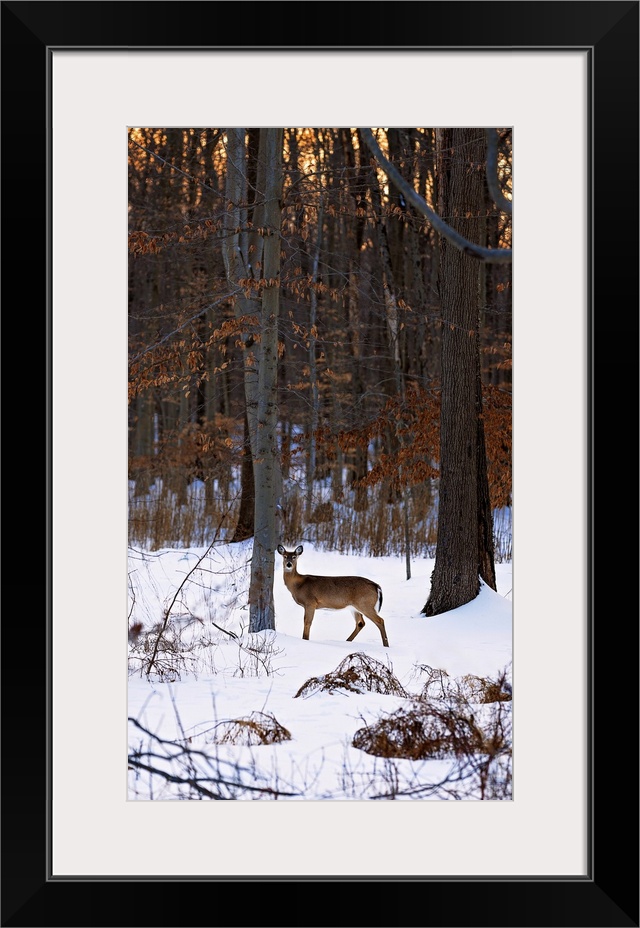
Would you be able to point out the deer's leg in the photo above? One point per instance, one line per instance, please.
(379, 621)
(359, 625)
(309, 612)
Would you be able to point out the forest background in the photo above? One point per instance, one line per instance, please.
(343, 310)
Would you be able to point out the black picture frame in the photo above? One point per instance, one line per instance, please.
(608, 896)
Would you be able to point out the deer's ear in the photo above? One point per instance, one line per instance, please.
(299, 549)
(280, 549)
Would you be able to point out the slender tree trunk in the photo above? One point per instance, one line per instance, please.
(143, 442)
(486, 546)
(358, 458)
(244, 525)
(313, 373)
(265, 446)
(393, 329)
(236, 254)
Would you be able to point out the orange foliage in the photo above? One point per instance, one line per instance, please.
(181, 361)
(497, 418)
(196, 450)
(412, 432)
(141, 243)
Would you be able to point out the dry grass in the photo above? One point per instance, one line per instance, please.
(172, 514)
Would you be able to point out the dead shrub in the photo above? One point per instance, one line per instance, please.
(438, 683)
(257, 728)
(446, 720)
(422, 732)
(470, 688)
(162, 652)
(357, 673)
(483, 689)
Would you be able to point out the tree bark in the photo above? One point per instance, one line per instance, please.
(244, 525)
(314, 413)
(464, 550)
(236, 254)
(265, 445)
(393, 328)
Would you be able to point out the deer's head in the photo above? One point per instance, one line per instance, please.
(290, 557)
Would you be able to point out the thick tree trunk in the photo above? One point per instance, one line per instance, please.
(463, 552)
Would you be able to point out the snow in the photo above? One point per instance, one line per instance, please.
(211, 679)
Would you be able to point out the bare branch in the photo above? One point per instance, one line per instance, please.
(185, 324)
(177, 593)
(173, 167)
(492, 172)
(187, 767)
(488, 255)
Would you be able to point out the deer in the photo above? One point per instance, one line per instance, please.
(363, 596)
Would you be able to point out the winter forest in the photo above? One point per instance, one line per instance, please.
(319, 354)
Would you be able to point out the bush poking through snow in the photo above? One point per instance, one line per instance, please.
(420, 733)
(357, 673)
(484, 690)
(430, 730)
(470, 688)
(257, 728)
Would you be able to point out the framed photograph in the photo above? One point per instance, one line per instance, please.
(564, 75)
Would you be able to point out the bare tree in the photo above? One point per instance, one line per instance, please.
(464, 551)
(252, 255)
(266, 458)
